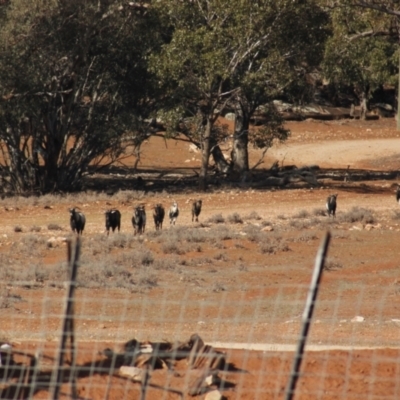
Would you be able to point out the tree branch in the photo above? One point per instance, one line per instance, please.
(377, 7)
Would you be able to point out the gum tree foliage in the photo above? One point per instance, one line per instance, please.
(293, 36)
(73, 86)
(390, 10)
(361, 53)
(232, 55)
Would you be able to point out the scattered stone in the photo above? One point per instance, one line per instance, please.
(355, 228)
(55, 241)
(230, 116)
(358, 318)
(48, 207)
(193, 148)
(214, 395)
(369, 227)
(134, 373)
(268, 228)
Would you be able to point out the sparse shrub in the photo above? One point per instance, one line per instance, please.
(302, 214)
(315, 221)
(299, 224)
(167, 263)
(306, 237)
(281, 216)
(148, 281)
(216, 219)
(284, 247)
(171, 247)
(17, 229)
(147, 258)
(54, 227)
(31, 240)
(221, 257)
(253, 216)
(221, 232)
(5, 298)
(319, 212)
(253, 233)
(35, 228)
(268, 248)
(119, 240)
(396, 215)
(242, 267)
(196, 235)
(332, 265)
(218, 287)
(266, 223)
(358, 214)
(235, 218)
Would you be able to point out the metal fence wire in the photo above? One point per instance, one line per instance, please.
(111, 332)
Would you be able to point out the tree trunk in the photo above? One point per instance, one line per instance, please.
(240, 154)
(362, 94)
(222, 165)
(205, 156)
(363, 106)
(398, 100)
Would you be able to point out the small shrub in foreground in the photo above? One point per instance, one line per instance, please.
(216, 219)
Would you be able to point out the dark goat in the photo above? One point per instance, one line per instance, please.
(113, 220)
(173, 213)
(77, 221)
(331, 204)
(196, 210)
(139, 219)
(158, 215)
(398, 193)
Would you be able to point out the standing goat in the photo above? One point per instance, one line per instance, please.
(158, 215)
(113, 220)
(398, 193)
(173, 213)
(139, 219)
(77, 221)
(331, 204)
(196, 210)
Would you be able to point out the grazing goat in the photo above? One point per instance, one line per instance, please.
(173, 213)
(139, 219)
(158, 215)
(196, 210)
(398, 193)
(331, 204)
(77, 221)
(113, 220)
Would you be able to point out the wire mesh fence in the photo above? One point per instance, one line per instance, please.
(191, 311)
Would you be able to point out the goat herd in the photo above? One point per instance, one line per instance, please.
(113, 217)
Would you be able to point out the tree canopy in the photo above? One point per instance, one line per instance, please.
(80, 80)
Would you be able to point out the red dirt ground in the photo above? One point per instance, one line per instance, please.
(242, 296)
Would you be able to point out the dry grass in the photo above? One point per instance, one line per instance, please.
(235, 218)
(357, 214)
(301, 214)
(216, 219)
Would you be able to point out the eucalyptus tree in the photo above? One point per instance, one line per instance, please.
(233, 54)
(289, 39)
(390, 10)
(73, 84)
(361, 53)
